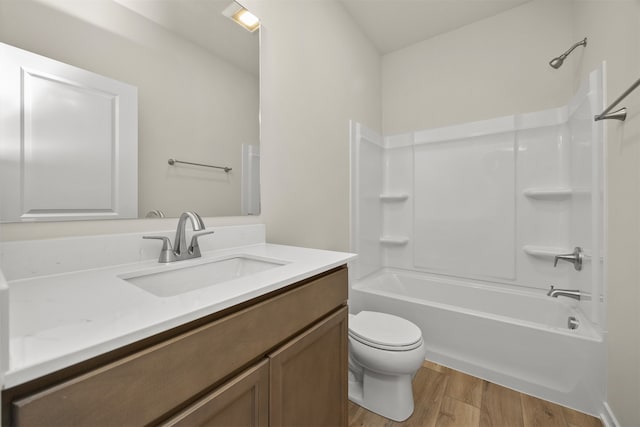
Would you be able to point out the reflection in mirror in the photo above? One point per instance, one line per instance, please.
(196, 72)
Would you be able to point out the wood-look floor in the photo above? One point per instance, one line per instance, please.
(448, 398)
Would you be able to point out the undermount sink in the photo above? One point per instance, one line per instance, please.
(175, 279)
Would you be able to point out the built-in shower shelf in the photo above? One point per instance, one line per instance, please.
(554, 193)
(394, 240)
(394, 197)
(551, 252)
(544, 251)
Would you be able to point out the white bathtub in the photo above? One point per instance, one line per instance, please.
(519, 339)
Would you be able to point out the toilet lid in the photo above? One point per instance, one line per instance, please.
(384, 331)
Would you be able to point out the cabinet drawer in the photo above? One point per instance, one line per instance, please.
(141, 388)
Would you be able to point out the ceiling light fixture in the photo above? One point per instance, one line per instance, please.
(242, 16)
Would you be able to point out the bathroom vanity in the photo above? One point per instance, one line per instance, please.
(275, 355)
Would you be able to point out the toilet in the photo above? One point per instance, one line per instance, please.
(385, 352)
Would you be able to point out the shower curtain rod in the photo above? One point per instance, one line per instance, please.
(620, 114)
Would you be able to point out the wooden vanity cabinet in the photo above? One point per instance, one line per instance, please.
(281, 361)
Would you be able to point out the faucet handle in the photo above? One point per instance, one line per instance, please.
(575, 258)
(166, 254)
(194, 247)
(166, 242)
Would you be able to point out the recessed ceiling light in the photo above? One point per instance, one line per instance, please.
(242, 16)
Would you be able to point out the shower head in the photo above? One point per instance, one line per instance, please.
(557, 62)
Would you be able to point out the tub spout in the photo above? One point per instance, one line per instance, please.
(555, 293)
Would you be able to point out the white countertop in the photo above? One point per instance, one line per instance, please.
(58, 320)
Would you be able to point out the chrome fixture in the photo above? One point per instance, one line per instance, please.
(555, 293)
(574, 258)
(181, 251)
(172, 162)
(156, 213)
(557, 62)
(572, 322)
(620, 114)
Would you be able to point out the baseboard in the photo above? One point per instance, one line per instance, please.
(607, 417)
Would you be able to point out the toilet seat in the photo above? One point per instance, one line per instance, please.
(384, 331)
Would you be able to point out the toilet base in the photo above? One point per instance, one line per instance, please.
(389, 396)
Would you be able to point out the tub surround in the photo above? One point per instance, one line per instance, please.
(491, 204)
(67, 303)
(493, 200)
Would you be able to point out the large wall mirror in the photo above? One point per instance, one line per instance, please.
(197, 77)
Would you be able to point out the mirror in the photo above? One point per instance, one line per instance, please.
(198, 90)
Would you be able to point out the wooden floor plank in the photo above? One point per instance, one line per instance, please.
(446, 398)
(354, 410)
(465, 388)
(454, 413)
(501, 407)
(435, 367)
(364, 418)
(540, 413)
(579, 419)
(428, 391)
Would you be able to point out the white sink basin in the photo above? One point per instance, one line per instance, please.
(175, 279)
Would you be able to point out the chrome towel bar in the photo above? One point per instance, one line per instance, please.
(620, 114)
(174, 161)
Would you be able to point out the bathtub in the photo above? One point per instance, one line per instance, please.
(518, 339)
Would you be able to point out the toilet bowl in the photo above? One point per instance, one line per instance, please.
(385, 351)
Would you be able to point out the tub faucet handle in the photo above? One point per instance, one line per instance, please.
(575, 258)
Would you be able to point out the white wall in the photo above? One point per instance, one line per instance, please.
(473, 73)
(613, 29)
(318, 72)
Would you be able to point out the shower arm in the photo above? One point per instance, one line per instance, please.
(572, 48)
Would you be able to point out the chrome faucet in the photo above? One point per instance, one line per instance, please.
(555, 293)
(574, 258)
(180, 250)
(180, 242)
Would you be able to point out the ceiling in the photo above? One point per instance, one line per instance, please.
(394, 24)
(202, 23)
(389, 24)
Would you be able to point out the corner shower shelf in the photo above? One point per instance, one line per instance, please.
(394, 240)
(394, 197)
(548, 193)
(544, 251)
(553, 193)
(551, 252)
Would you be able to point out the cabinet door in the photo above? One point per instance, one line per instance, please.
(242, 402)
(69, 139)
(309, 377)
